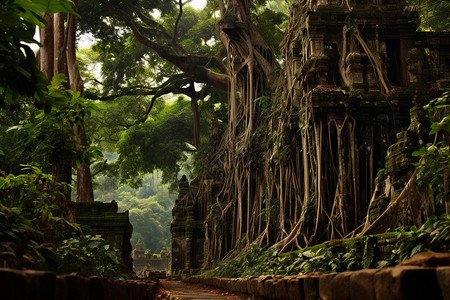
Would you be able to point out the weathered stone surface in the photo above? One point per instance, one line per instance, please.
(13, 284)
(99, 288)
(42, 283)
(428, 259)
(281, 290)
(261, 285)
(241, 285)
(119, 290)
(60, 288)
(105, 220)
(269, 289)
(252, 285)
(362, 285)
(340, 286)
(37, 285)
(443, 275)
(311, 286)
(233, 285)
(295, 288)
(77, 287)
(325, 287)
(407, 282)
(187, 228)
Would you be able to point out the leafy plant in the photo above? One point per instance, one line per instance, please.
(90, 255)
(19, 75)
(32, 194)
(435, 157)
(347, 255)
(22, 246)
(434, 235)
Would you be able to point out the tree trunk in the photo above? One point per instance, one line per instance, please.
(46, 52)
(58, 55)
(84, 181)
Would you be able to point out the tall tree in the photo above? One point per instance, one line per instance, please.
(58, 55)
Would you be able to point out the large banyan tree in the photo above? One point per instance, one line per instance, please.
(318, 145)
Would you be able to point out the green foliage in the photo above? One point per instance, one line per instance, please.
(19, 75)
(22, 246)
(434, 235)
(159, 143)
(150, 208)
(89, 255)
(435, 157)
(433, 14)
(272, 25)
(50, 133)
(32, 194)
(346, 255)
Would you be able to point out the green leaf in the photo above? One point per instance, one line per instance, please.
(416, 249)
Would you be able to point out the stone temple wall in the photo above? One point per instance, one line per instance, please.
(105, 220)
(383, 127)
(146, 261)
(187, 229)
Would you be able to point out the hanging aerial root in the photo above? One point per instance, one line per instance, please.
(419, 201)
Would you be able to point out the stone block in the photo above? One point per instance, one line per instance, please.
(60, 288)
(13, 284)
(340, 286)
(281, 291)
(295, 288)
(41, 284)
(362, 285)
(77, 287)
(325, 289)
(428, 259)
(443, 276)
(152, 289)
(407, 282)
(311, 287)
(233, 286)
(269, 289)
(99, 288)
(241, 285)
(119, 290)
(139, 290)
(224, 283)
(261, 285)
(252, 286)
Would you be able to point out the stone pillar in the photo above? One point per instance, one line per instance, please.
(355, 70)
(371, 81)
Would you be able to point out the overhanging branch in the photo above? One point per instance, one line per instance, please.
(195, 67)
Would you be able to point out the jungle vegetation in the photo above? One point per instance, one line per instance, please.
(61, 110)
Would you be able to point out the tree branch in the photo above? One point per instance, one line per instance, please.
(102, 167)
(193, 66)
(161, 30)
(175, 31)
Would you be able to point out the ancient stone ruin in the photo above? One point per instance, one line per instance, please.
(358, 76)
(105, 220)
(145, 261)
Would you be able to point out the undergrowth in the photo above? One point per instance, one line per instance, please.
(343, 255)
(34, 233)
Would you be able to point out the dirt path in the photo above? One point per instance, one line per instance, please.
(177, 290)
